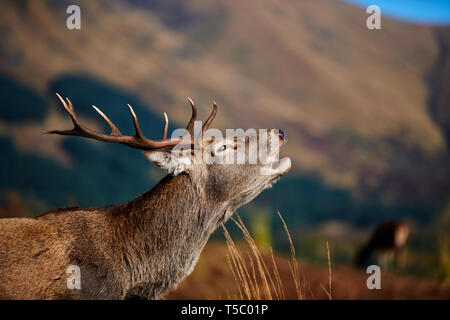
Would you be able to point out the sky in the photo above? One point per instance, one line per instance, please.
(418, 11)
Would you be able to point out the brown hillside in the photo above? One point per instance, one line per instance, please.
(343, 92)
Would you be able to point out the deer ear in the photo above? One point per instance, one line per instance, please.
(172, 162)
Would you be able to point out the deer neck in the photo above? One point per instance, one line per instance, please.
(164, 231)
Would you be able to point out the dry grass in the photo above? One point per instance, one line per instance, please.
(328, 292)
(213, 279)
(259, 279)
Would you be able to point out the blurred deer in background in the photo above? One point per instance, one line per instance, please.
(388, 239)
(144, 247)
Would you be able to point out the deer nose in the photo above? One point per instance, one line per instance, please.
(282, 134)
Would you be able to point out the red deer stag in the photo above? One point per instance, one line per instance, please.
(142, 248)
(387, 239)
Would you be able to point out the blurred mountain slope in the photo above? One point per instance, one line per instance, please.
(355, 102)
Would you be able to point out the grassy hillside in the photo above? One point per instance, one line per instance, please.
(365, 110)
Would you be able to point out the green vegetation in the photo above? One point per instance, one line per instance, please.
(260, 227)
(19, 103)
(100, 175)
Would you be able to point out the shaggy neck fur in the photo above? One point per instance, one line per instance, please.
(163, 232)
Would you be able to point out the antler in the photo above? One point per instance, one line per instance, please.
(138, 141)
(193, 117)
(210, 119)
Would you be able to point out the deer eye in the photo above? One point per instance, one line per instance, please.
(223, 148)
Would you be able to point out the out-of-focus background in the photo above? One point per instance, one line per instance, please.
(367, 113)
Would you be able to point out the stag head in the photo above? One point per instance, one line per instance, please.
(223, 168)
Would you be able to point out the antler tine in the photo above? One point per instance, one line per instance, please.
(210, 118)
(71, 112)
(193, 117)
(64, 103)
(69, 109)
(70, 104)
(166, 126)
(139, 141)
(136, 124)
(114, 130)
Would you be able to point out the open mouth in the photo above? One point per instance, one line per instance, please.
(276, 165)
(282, 166)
